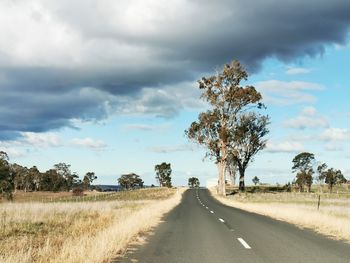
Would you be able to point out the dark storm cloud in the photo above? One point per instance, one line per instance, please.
(61, 61)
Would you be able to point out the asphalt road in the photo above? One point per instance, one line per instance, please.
(200, 229)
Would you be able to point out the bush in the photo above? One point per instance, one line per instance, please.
(78, 191)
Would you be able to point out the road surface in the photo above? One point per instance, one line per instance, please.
(202, 230)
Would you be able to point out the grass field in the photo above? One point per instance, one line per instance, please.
(332, 218)
(80, 231)
(154, 193)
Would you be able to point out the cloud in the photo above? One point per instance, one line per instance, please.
(41, 139)
(165, 102)
(333, 147)
(145, 127)
(335, 134)
(297, 71)
(140, 127)
(284, 147)
(14, 148)
(170, 149)
(308, 119)
(12, 152)
(88, 60)
(309, 111)
(287, 93)
(89, 143)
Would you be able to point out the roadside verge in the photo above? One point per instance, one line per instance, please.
(332, 220)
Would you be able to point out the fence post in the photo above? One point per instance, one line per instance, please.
(319, 201)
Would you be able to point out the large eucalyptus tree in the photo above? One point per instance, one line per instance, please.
(233, 125)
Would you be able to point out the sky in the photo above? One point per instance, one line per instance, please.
(110, 86)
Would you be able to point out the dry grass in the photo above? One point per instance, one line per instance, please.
(82, 231)
(332, 219)
(21, 196)
(42, 196)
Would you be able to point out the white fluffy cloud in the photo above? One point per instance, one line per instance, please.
(307, 119)
(288, 93)
(48, 139)
(12, 152)
(297, 71)
(89, 143)
(284, 147)
(335, 134)
(333, 147)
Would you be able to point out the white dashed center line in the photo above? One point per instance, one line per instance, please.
(221, 220)
(212, 212)
(244, 243)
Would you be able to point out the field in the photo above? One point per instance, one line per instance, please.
(332, 218)
(44, 197)
(71, 230)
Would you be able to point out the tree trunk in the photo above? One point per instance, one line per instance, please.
(221, 181)
(222, 168)
(232, 174)
(241, 179)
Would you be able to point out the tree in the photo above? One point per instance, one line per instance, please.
(333, 177)
(304, 178)
(230, 126)
(321, 169)
(88, 179)
(163, 174)
(6, 177)
(248, 140)
(51, 180)
(255, 180)
(19, 174)
(303, 165)
(32, 179)
(71, 179)
(130, 181)
(193, 182)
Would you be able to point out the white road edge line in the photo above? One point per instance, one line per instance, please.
(222, 220)
(244, 243)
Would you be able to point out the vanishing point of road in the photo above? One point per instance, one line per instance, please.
(200, 229)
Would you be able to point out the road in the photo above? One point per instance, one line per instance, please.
(200, 229)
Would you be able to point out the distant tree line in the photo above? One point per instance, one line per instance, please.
(15, 177)
(134, 181)
(304, 164)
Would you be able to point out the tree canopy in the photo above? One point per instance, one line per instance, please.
(6, 176)
(303, 165)
(163, 174)
(193, 182)
(130, 181)
(255, 180)
(88, 179)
